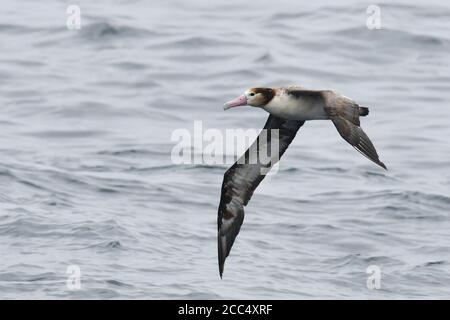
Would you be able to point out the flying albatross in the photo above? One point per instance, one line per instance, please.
(289, 108)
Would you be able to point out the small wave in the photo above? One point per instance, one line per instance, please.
(114, 244)
(199, 42)
(135, 151)
(118, 283)
(388, 39)
(264, 58)
(17, 29)
(106, 30)
(25, 63)
(434, 263)
(128, 65)
(28, 276)
(66, 134)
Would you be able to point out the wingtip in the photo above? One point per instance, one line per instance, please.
(381, 164)
(220, 255)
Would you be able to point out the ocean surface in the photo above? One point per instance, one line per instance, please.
(87, 181)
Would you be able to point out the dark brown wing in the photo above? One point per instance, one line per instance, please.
(345, 114)
(241, 180)
(358, 139)
(312, 97)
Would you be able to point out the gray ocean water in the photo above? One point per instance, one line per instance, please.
(86, 176)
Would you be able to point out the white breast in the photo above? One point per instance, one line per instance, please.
(288, 107)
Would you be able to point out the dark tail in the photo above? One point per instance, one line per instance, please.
(363, 111)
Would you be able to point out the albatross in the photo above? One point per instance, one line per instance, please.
(289, 108)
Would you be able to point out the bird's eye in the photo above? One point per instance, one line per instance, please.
(252, 94)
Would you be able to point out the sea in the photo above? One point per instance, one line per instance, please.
(93, 204)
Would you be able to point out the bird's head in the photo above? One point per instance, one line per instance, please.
(255, 97)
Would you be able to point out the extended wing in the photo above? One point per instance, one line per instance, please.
(241, 180)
